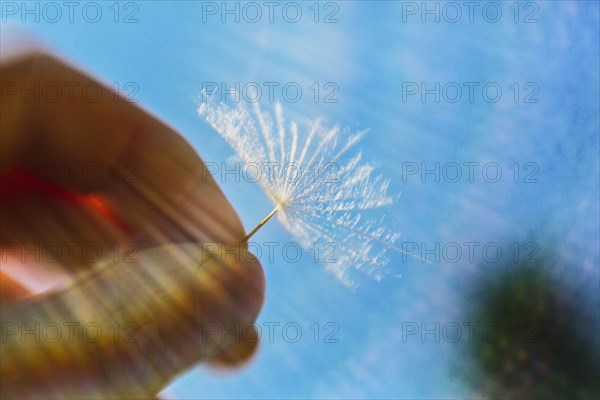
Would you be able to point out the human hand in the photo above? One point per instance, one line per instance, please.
(104, 176)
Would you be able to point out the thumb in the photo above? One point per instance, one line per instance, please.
(126, 329)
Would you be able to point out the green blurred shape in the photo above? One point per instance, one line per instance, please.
(548, 346)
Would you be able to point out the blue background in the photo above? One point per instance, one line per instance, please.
(171, 52)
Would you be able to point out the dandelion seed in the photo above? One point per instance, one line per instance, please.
(318, 190)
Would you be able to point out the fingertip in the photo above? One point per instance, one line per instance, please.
(244, 279)
(254, 278)
(237, 339)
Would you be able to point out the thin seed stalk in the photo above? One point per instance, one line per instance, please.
(257, 227)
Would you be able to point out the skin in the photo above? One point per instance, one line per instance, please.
(168, 264)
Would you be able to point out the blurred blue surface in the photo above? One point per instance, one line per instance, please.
(371, 53)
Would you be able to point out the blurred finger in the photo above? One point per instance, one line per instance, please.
(132, 328)
(97, 175)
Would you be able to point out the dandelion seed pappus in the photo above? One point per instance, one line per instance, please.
(330, 192)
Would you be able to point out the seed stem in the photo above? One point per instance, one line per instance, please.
(264, 221)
